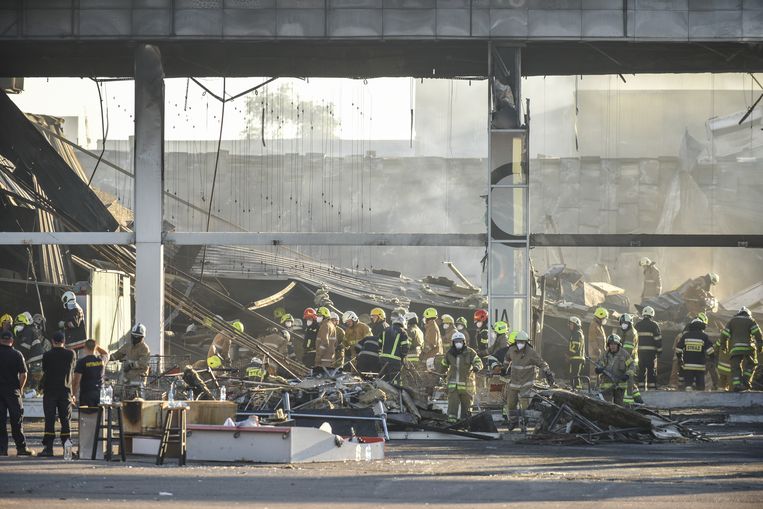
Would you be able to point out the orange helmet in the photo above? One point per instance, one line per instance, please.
(310, 313)
(480, 315)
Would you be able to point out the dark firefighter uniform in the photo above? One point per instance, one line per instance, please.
(481, 340)
(367, 350)
(692, 351)
(739, 338)
(311, 336)
(649, 350)
(652, 282)
(393, 347)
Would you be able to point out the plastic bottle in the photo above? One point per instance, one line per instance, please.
(102, 399)
(68, 450)
(109, 394)
(171, 394)
(189, 393)
(223, 393)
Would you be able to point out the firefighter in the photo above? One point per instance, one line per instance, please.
(222, 342)
(74, 319)
(460, 363)
(697, 294)
(481, 335)
(415, 339)
(616, 367)
(367, 355)
(354, 332)
(378, 321)
(393, 347)
(432, 338)
(448, 328)
(13, 377)
(742, 338)
(340, 341)
(652, 279)
(576, 351)
(325, 342)
(723, 364)
(692, 351)
(135, 356)
(596, 336)
(501, 332)
(519, 364)
(24, 334)
(312, 324)
(57, 366)
(276, 340)
(629, 338)
(6, 323)
(461, 326)
(649, 349)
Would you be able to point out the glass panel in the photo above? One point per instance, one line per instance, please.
(513, 311)
(508, 206)
(506, 150)
(508, 265)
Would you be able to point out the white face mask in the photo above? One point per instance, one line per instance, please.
(460, 327)
(445, 325)
(319, 319)
(288, 324)
(309, 323)
(624, 326)
(458, 345)
(479, 325)
(520, 345)
(604, 322)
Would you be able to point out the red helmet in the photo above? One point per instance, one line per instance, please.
(310, 313)
(480, 315)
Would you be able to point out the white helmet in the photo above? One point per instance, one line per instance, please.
(648, 311)
(398, 319)
(576, 321)
(138, 330)
(334, 316)
(68, 297)
(522, 336)
(410, 315)
(714, 278)
(643, 262)
(457, 336)
(349, 315)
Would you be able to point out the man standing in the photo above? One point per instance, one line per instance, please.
(325, 343)
(616, 365)
(415, 339)
(576, 350)
(692, 351)
(741, 338)
(649, 349)
(354, 332)
(432, 338)
(378, 321)
(74, 319)
(460, 362)
(481, 332)
(652, 279)
(57, 365)
(135, 356)
(312, 324)
(520, 363)
(393, 347)
(88, 375)
(596, 336)
(13, 376)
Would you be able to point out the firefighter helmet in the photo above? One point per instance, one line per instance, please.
(286, 318)
(236, 324)
(215, 361)
(714, 278)
(447, 319)
(601, 313)
(138, 330)
(575, 320)
(643, 262)
(480, 315)
(309, 314)
(324, 312)
(430, 313)
(648, 311)
(349, 315)
(614, 338)
(379, 312)
(501, 327)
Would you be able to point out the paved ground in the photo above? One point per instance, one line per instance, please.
(727, 473)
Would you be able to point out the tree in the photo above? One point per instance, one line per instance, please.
(283, 114)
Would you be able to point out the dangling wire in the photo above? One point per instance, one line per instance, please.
(104, 131)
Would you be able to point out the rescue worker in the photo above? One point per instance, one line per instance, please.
(378, 321)
(354, 332)
(312, 324)
(652, 279)
(6, 323)
(697, 294)
(279, 313)
(576, 351)
(259, 371)
(276, 340)
(325, 343)
(13, 375)
(460, 363)
(57, 369)
(649, 349)
(501, 332)
(367, 355)
(519, 364)
(74, 320)
(596, 336)
(723, 365)
(135, 356)
(616, 367)
(448, 328)
(415, 339)
(24, 333)
(432, 339)
(340, 342)
(481, 335)
(88, 375)
(692, 351)
(742, 339)
(393, 347)
(629, 338)
(40, 345)
(221, 344)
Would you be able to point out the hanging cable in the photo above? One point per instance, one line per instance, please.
(104, 132)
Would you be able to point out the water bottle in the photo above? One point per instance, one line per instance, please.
(109, 394)
(223, 393)
(189, 393)
(68, 450)
(171, 394)
(102, 398)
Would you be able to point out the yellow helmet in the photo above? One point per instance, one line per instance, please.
(6, 318)
(215, 361)
(601, 313)
(703, 318)
(236, 324)
(501, 327)
(379, 312)
(208, 322)
(324, 312)
(447, 319)
(513, 338)
(286, 317)
(24, 318)
(279, 312)
(430, 313)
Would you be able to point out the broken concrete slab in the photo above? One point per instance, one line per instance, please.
(680, 399)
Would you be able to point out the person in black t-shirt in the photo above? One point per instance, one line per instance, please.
(13, 374)
(88, 375)
(57, 365)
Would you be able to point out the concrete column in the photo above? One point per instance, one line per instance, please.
(149, 185)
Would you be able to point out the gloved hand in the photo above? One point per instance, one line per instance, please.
(127, 366)
(550, 378)
(623, 378)
(599, 370)
(506, 371)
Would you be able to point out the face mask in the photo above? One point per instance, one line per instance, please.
(479, 325)
(288, 324)
(604, 322)
(71, 304)
(624, 326)
(319, 319)
(445, 326)
(135, 341)
(309, 323)
(460, 327)
(520, 346)
(458, 345)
